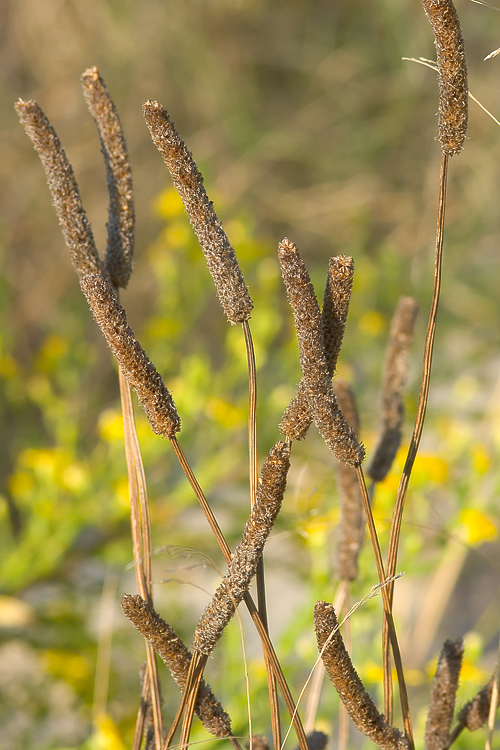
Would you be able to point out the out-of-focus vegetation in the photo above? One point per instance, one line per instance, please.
(306, 122)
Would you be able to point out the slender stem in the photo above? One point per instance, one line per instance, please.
(254, 613)
(397, 515)
(259, 577)
(424, 387)
(403, 694)
(141, 544)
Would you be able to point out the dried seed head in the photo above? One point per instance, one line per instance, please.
(452, 74)
(176, 656)
(247, 554)
(133, 360)
(220, 256)
(474, 714)
(351, 531)
(121, 219)
(345, 679)
(443, 695)
(75, 226)
(297, 417)
(393, 382)
(316, 379)
(336, 301)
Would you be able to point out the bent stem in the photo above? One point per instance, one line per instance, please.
(259, 577)
(397, 515)
(141, 544)
(249, 602)
(403, 694)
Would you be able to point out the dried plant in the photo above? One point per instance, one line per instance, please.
(332, 409)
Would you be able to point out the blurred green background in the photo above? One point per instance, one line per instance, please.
(306, 123)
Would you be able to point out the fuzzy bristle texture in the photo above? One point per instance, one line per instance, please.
(247, 554)
(74, 223)
(121, 217)
(443, 695)
(474, 714)
(393, 382)
(348, 685)
(140, 372)
(351, 531)
(316, 378)
(297, 417)
(176, 656)
(336, 300)
(452, 74)
(220, 256)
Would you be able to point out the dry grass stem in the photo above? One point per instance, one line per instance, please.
(138, 369)
(121, 218)
(176, 656)
(329, 420)
(348, 685)
(297, 418)
(247, 554)
(452, 74)
(352, 525)
(220, 256)
(443, 695)
(74, 223)
(394, 378)
(267, 644)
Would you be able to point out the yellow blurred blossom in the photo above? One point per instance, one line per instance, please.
(69, 666)
(52, 349)
(478, 527)
(225, 413)
(176, 234)
(111, 425)
(106, 736)
(168, 204)
(371, 323)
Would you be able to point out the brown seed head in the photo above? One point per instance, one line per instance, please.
(220, 256)
(121, 218)
(75, 226)
(247, 554)
(452, 74)
(140, 372)
(176, 656)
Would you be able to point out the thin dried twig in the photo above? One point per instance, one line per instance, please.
(220, 256)
(74, 223)
(393, 381)
(348, 685)
(249, 602)
(141, 545)
(133, 360)
(443, 695)
(329, 420)
(121, 217)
